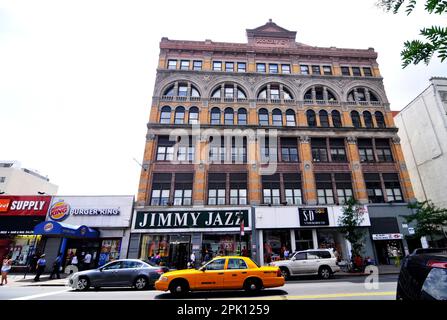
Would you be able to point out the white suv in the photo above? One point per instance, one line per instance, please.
(314, 261)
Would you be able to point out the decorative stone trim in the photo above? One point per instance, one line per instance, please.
(351, 140)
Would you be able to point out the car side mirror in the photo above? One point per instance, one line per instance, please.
(293, 259)
(202, 268)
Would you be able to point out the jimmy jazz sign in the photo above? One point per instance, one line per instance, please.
(190, 219)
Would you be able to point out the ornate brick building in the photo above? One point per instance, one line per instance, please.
(330, 135)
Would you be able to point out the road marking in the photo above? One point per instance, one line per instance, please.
(35, 296)
(324, 296)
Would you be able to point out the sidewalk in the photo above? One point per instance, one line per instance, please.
(18, 280)
(383, 269)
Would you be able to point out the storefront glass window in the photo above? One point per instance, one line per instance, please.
(331, 239)
(303, 240)
(171, 251)
(224, 245)
(275, 243)
(110, 250)
(20, 247)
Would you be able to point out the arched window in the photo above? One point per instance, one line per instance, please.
(275, 92)
(242, 116)
(169, 91)
(277, 117)
(367, 118)
(231, 91)
(182, 90)
(215, 116)
(336, 119)
(363, 95)
(322, 93)
(290, 118)
(193, 115)
(311, 118)
(229, 116)
(263, 117)
(179, 115)
(355, 117)
(324, 118)
(380, 119)
(165, 115)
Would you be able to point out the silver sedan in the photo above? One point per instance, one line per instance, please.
(119, 273)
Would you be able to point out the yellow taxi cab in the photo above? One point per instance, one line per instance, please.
(221, 273)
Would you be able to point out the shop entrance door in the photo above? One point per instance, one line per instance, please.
(180, 252)
(388, 250)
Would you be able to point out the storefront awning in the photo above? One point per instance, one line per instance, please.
(58, 229)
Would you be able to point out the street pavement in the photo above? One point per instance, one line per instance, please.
(302, 288)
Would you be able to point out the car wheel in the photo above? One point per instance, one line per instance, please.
(83, 284)
(179, 288)
(252, 285)
(325, 272)
(285, 273)
(140, 283)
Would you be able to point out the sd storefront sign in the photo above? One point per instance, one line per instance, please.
(313, 217)
(191, 219)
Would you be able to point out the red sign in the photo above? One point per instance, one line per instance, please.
(24, 205)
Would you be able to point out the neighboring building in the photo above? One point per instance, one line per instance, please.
(423, 132)
(331, 136)
(71, 225)
(21, 181)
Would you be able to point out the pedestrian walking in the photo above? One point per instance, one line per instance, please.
(74, 261)
(87, 261)
(41, 263)
(6, 267)
(192, 260)
(56, 267)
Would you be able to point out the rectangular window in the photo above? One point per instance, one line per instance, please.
(356, 71)
(229, 92)
(392, 187)
(165, 149)
(343, 185)
(183, 189)
(338, 152)
(217, 66)
(197, 65)
(238, 188)
(319, 150)
(268, 151)
(161, 186)
(327, 70)
(383, 150)
(241, 67)
(373, 188)
(183, 90)
(292, 188)
(285, 68)
(229, 66)
(367, 72)
(325, 192)
(184, 65)
(216, 188)
(274, 93)
(172, 64)
(271, 189)
(289, 150)
(239, 150)
(260, 67)
(316, 70)
(304, 69)
(273, 68)
(345, 71)
(365, 150)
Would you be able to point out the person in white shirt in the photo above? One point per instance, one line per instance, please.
(87, 261)
(192, 260)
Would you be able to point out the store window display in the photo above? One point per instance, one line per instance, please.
(331, 239)
(275, 243)
(110, 250)
(20, 247)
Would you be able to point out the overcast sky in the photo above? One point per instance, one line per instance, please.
(77, 77)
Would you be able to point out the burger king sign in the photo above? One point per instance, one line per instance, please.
(59, 211)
